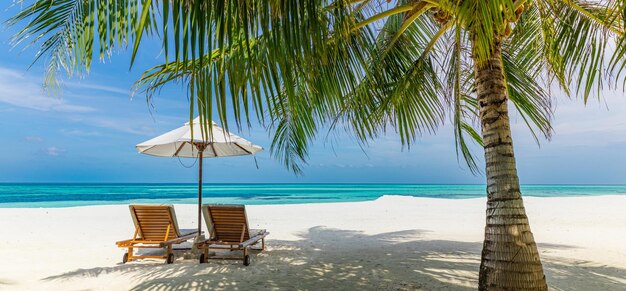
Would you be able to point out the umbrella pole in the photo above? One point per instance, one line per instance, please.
(200, 194)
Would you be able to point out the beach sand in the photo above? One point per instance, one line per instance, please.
(393, 243)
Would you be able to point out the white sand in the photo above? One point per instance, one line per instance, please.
(397, 243)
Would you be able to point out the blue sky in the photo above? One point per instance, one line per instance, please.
(87, 133)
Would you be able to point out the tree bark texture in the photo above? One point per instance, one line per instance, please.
(509, 260)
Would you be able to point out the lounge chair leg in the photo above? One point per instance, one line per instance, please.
(262, 244)
(246, 257)
(169, 256)
(130, 254)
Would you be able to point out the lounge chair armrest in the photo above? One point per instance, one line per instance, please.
(203, 242)
(209, 242)
(253, 240)
(178, 239)
(124, 243)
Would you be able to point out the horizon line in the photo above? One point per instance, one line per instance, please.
(297, 183)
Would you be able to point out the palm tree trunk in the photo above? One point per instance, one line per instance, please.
(510, 260)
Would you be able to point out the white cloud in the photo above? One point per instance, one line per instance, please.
(33, 139)
(55, 151)
(77, 132)
(109, 89)
(139, 125)
(20, 91)
(123, 125)
(597, 123)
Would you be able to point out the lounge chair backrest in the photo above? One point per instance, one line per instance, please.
(152, 221)
(226, 222)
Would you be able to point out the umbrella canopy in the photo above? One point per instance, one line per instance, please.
(179, 143)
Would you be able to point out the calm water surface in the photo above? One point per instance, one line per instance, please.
(65, 195)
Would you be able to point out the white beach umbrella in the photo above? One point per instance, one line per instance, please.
(179, 143)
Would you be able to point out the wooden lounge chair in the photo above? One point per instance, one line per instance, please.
(155, 227)
(228, 229)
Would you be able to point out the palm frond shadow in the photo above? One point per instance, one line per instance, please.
(326, 258)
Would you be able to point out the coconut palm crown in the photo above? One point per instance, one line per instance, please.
(369, 67)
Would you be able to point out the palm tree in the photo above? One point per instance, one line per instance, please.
(369, 67)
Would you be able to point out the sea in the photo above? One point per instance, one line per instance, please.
(69, 195)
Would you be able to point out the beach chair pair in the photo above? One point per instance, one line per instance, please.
(156, 226)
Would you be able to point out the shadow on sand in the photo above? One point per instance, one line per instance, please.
(339, 259)
(3, 282)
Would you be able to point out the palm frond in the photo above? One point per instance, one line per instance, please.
(67, 31)
(401, 90)
(578, 33)
(294, 129)
(525, 73)
(457, 76)
(372, 66)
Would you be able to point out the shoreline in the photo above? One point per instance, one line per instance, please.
(241, 201)
(394, 242)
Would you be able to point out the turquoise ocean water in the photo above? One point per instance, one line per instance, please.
(66, 195)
